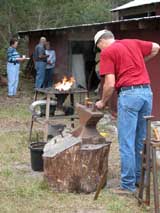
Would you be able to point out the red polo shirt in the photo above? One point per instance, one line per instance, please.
(125, 59)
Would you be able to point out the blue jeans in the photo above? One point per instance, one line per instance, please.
(13, 78)
(40, 67)
(133, 104)
(48, 82)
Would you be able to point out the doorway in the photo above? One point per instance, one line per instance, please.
(82, 62)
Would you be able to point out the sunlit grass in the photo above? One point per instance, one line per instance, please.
(18, 111)
(24, 191)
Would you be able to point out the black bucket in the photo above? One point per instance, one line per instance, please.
(36, 150)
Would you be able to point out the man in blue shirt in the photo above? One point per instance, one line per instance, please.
(40, 58)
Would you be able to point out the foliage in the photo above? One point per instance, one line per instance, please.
(33, 14)
(19, 15)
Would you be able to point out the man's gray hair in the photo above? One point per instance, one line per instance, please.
(107, 35)
(42, 39)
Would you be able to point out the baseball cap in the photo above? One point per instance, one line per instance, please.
(98, 35)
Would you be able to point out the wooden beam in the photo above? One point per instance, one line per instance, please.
(147, 24)
(128, 26)
(143, 25)
(137, 10)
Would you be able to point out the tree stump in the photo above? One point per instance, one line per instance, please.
(72, 166)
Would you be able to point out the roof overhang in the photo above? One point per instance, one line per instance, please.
(135, 3)
(102, 24)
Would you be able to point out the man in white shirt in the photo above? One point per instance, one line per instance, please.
(48, 82)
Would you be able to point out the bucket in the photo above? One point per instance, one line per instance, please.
(36, 150)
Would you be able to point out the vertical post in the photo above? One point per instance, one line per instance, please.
(31, 125)
(155, 181)
(141, 186)
(148, 158)
(69, 65)
(80, 98)
(47, 118)
(72, 104)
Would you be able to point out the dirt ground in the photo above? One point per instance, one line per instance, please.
(15, 121)
(13, 124)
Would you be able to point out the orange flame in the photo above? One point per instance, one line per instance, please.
(65, 84)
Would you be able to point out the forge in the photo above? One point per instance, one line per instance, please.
(76, 161)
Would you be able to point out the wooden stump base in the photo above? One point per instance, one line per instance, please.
(74, 166)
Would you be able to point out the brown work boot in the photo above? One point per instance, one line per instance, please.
(10, 96)
(121, 191)
(17, 96)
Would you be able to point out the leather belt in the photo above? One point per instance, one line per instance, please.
(133, 87)
(13, 62)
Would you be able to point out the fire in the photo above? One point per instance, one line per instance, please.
(65, 84)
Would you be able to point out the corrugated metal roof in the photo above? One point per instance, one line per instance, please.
(135, 3)
(89, 25)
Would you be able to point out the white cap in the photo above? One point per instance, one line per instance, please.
(98, 35)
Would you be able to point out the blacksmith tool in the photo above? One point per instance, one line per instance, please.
(148, 165)
(101, 184)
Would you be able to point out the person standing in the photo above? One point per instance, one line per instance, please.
(13, 65)
(40, 59)
(48, 82)
(123, 67)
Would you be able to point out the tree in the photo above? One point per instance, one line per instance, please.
(19, 15)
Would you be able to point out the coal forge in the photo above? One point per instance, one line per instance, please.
(75, 161)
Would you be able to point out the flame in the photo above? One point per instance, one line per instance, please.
(65, 84)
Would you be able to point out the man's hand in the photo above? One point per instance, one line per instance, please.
(100, 104)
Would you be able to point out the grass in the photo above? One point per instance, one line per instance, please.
(25, 191)
(19, 112)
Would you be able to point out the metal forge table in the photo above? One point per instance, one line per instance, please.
(49, 93)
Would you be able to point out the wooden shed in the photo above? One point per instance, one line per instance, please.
(137, 9)
(71, 40)
(72, 44)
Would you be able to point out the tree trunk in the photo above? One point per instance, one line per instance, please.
(77, 168)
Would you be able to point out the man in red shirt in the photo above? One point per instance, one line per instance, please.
(123, 67)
